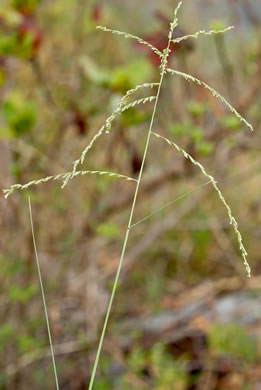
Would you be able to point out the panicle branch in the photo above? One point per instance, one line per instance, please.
(232, 219)
(188, 77)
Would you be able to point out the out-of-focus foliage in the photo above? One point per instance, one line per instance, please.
(233, 340)
(19, 115)
(60, 79)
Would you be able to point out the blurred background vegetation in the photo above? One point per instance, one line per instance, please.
(185, 316)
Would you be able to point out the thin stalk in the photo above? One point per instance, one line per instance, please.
(115, 284)
(169, 203)
(43, 296)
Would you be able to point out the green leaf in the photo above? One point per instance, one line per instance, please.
(132, 117)
(15, 168)
(186, 128)
(2, 77)
(120, 81)
(166, 370)
(231, 122)
(233, 340)
(6, 334)
(126, 77)
(138, 71)
(204, 148)
(18, 113)
(22, 294)
(14, 45)
(121, 78)
(28, 343)
(109, 230)
(196, 108)
(11, 266)
(202, 241)
(8, 43)
(24, 48)
(94, 73)
(103, 384)
(6, 133)
(27, 5)
(197, 134)
(137, 360)
(180, 129)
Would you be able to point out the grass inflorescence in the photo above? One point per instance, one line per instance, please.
(63, 176)
(123, 105)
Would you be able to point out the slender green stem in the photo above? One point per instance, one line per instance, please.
(169, 203)
(126, 236)
(115, 284)
(43, 296)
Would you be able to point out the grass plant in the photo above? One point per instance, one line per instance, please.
(123, 105)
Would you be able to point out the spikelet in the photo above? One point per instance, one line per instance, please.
(139, 101)
(174, 24)
(166, 52)
(106, 127)
(201, 32)
(232, 219)
(15, 187)
(131, 36)
(188, 77)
